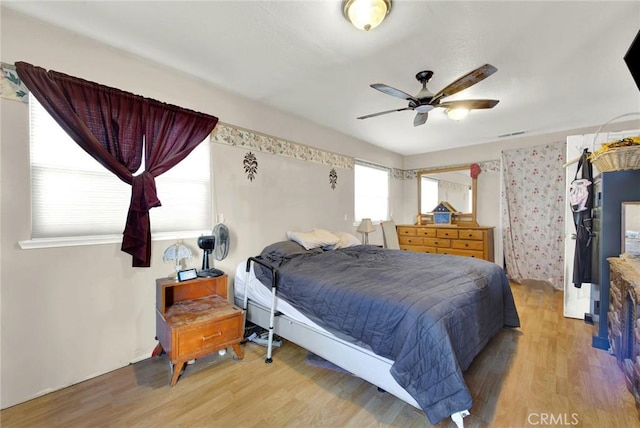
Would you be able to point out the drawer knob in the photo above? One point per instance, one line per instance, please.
(204, 338)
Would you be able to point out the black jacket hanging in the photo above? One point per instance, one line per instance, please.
(581, 200)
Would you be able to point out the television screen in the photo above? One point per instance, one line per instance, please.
(632, 58)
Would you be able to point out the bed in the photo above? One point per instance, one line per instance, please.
(409, 323)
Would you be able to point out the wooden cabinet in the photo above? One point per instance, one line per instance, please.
(194, 318)
(458, 241)
(623, 321)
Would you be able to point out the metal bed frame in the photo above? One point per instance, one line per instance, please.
(358, 361)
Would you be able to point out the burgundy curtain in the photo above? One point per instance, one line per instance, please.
(111, 126)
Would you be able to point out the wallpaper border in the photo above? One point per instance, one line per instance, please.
(253, 140)
(13, 89)
(11, 86)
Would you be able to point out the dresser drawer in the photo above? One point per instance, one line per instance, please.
(466, 240)
(468, 245)
(406, 231)
(204, 338)
(410, 240)
(435, 242)
(458, 252)
(427, 232)
(447, 233)
(470, 234)
(419, 249)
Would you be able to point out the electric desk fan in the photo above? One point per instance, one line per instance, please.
(216, 244)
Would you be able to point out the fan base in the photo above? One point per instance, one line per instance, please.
(210, 273)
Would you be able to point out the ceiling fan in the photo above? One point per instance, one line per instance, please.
(425, 100)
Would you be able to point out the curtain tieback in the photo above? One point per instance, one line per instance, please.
(137, 232)
(143, 193)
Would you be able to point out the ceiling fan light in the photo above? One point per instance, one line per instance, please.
(457, 113)
(366, 14)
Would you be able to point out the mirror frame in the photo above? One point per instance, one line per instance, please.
(623, 222)
(460, 219)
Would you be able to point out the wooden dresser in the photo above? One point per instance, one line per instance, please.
(623, 321)
(468, 241)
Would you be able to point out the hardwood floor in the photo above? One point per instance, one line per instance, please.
(544, 374)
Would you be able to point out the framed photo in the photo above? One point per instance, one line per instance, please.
(186, 275)
(441, 218)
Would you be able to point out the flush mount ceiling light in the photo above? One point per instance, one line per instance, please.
(366, 14)
(457, 113)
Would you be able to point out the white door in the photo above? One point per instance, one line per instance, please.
(577, 301)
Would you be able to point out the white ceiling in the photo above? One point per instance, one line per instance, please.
(560, 63)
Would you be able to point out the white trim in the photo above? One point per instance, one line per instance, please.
(76, 241)
(372, 165)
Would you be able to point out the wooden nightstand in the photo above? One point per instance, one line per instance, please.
(194, 319)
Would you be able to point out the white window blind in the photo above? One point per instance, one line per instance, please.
(72, 195)
(371, 188)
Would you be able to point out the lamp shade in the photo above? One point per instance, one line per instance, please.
(176, 252)
(366, 226)
(366, 14)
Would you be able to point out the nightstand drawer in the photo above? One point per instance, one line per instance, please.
(210, 335)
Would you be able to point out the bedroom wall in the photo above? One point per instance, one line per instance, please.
(72, 313)
(489, 209)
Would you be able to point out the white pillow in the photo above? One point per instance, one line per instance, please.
(346, 240)
(317, 238)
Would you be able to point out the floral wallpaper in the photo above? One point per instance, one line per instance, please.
(533, 198)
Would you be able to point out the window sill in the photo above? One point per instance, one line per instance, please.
(77, 241)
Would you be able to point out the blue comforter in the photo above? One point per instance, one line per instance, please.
(430, 314)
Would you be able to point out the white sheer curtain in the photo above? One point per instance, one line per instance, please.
(533, 199)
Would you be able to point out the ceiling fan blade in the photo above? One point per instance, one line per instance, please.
(420, 119)
(393, 92)
(384, 112)
(465, 81)
(468, 104)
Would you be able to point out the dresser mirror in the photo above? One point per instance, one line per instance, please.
(453, 185)
(631, 228)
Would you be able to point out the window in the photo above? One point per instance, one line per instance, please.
(429, 196)
(371, 188)
(72, 195)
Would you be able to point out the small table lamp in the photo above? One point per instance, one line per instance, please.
(365, 228)
(176, 253)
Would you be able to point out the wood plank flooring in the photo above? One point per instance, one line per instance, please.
(544, 374)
